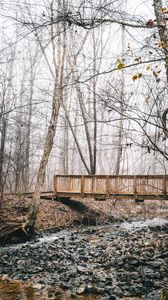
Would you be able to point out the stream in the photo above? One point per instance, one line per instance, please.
(127, 260)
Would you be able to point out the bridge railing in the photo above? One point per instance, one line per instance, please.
(124, 185)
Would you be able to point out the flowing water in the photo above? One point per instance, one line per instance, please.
(18, 290)
(145, 223)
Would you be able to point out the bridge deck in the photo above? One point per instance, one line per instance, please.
(102, 186)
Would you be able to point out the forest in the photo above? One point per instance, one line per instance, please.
(83, 98)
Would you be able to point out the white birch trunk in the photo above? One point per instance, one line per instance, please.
(56, 103)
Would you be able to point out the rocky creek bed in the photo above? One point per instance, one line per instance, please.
(126, 260)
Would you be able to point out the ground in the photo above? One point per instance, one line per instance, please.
(55, 215)
(112, 261)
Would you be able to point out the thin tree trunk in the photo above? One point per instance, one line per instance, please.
(19, 145)
(77, 143)
(2, 148)
(120, 131)
(73, 65)
(82, 108)
(26, 174)
(94, 108)
(65, 147)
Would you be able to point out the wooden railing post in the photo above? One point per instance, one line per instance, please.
(93, 180)
(69, 183)
(135, 187)
(82, 186)
(164, 187)
(55, 185)
(107, 186)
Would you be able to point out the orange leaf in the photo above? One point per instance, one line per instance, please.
(135, 77)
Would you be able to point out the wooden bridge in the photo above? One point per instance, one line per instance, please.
(101, 186)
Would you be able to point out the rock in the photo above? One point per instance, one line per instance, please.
(81, 289)
(119, 264)
(109, 290)
(73, 293)
(150, 273)
(90, 288)
(118, 291)
(98, 290)
(37, 286)
(148, 283)
(136, 290)
(105, 298)
(81, 269)
(157, 284)
(5, 277)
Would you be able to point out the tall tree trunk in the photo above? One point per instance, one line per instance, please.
(94, 107)
(65, 148)
(2, 149)
(29, 223)
(31, 216)
(161, 19)
(19, 145)
(26, 173)
(77, 142)
(120, 130)
(85, 121)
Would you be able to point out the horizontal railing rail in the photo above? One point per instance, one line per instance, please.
(111, 185)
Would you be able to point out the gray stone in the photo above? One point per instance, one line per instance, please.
(81, 289)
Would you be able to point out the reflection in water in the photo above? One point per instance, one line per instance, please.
(10, 291)
(16, 290)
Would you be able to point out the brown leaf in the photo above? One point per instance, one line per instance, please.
(135, 77)
(150, 23)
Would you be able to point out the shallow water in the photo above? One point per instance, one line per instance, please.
(145, 223)
(17, 290)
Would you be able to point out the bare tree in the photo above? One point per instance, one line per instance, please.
(89, 78)
(59, 61)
